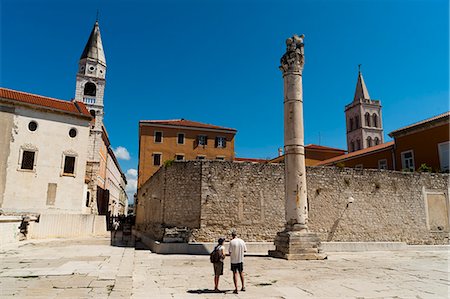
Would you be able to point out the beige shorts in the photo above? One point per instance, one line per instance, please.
(218, 268)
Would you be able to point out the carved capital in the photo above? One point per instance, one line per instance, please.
(294, 58)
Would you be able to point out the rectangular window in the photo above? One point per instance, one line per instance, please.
(202, 140)
(200, 157)
(221, 142)
(69, 165)
(382, 164)
(27, 160)
(408, 160)
(180, 138)
(359, 166)
(156, 159)
(444, 156)
(158, 137)
(220, 158)
(179, 157)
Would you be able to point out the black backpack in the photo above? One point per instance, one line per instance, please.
(214, 257)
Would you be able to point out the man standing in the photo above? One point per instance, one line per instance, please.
(236, 250)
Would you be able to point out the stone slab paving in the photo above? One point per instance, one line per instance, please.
(91, 268)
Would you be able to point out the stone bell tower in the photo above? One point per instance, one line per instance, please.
(295, 242)
(363, 118)
(90, 87)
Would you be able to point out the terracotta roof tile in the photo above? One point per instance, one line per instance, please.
(185, 123)
(74, 107)
(320, 147)
(357, 153)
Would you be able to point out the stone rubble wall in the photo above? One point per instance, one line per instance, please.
(214, 197)
(171, 198)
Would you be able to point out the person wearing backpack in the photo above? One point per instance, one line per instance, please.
(217, 257)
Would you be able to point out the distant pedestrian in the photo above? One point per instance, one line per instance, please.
(217, 257)
(236, 249)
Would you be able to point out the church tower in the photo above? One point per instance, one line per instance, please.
(363, 118)
(90, 87)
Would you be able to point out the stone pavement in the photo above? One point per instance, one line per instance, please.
(91, 268)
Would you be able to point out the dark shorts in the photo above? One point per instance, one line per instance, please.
(218, 268)
(237, 267)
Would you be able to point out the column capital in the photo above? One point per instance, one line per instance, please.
(294, 58)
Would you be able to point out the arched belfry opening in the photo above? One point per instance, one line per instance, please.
(90, 89)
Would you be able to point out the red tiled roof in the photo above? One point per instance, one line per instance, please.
(412, 127)
(185, 123)
(357, 153)
(250, 160)
(326, 148)
(74, 107)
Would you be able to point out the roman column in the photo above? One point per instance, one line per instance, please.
(295, 242)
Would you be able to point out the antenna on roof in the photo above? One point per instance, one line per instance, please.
(359, 68)
(96, 18)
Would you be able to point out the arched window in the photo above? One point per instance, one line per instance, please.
(376, 140)
(92, 112)
(352, 146)
(367, 117)
(369, 141)
(358, 144)
(356, 122)
(90, 89)
(350, 125)
(375, 120)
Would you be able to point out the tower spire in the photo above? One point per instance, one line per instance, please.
(94, 47)
(361, 91)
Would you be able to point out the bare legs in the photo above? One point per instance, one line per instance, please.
(216, 282)
(235, 280)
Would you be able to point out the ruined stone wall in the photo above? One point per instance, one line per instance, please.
(171, 198)
(387, 206)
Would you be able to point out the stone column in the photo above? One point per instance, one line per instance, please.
(295, 242)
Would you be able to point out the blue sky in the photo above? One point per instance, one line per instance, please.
(217, 62)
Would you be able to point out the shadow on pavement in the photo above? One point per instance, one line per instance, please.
(208, 291)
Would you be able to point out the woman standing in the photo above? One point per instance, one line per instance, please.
(218, 265)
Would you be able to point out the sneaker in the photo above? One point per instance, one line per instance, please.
(235, 292)
(243, 289)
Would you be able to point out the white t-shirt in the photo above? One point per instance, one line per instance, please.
(236, 250)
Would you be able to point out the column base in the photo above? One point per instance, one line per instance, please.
(297, 245)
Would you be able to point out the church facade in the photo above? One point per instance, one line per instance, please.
(56, 156)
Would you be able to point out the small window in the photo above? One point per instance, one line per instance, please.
(156, 159)
(352, 146)
(90, 89)
(180, 139)
(376, 141)
(443, 149)
(375, 120)
(73, 133)
(28, 160)
(350, 125)
(221, 142)
(359, 166)
(32, 126)
(358, 144)
(356, 122)
(158, 137)
(367, 117)
(179, 157)
(382, 164)
(220, 158)
(69, 165)
(92, 112)
(407, 160)
(202, 140)
(201, 157)
(369, 141)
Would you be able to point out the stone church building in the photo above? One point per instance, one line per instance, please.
(55, 155)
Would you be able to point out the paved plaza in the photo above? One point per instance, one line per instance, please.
(91, 268)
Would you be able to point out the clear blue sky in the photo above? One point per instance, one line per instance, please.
(217, 62)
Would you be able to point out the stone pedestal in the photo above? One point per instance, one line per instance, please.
(297, 245)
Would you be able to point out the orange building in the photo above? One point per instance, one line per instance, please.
(314, 154)
(162, 140)
(425, 142)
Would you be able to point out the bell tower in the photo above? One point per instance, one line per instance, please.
(363, 118)
(90, 88)
(91, 76)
